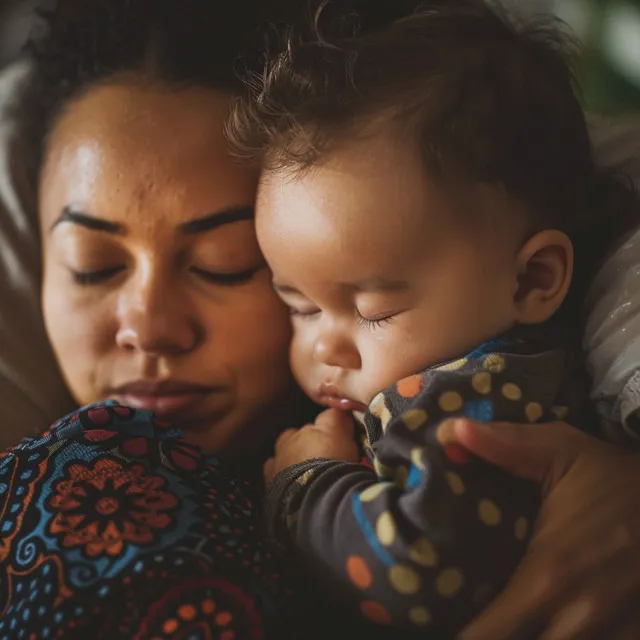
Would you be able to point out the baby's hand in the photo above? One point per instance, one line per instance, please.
(331, 436)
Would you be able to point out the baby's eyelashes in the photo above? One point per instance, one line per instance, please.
(303, 313)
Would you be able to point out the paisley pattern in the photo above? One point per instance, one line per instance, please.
(112, 526)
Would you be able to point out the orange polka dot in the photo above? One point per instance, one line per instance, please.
(208, 606)
(375, 612)
(170, 626)
(223, 618)
(456, 453)
(359, 573)
(410, 387)
(187, 612)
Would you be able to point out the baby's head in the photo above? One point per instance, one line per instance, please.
(424, 188)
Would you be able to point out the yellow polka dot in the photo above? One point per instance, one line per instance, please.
(521, 528)
(533, 411)
(423, 553)
(376, 405)
(378, 408)
(305, 477)
(404, 579)
(494, 363)
(358, 417)
(420, 616)
(449, 582)
(482, 594)
(414, 418)
(386, 529)
(455, 483)
(401, 475)
(417, 457)
(481, 382)
(560, 413)
(374, 491)
(382, 470)
(511, 391)
(489, 513)
(450, 401)
(452, 366)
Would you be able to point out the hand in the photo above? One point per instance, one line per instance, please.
(580, 578)
(330, 436)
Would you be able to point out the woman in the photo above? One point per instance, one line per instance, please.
(155, 295)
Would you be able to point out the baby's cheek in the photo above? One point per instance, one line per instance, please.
(305, 369)
(385, 363)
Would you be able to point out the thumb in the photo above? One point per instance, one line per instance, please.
(543, 453)
(335, 419)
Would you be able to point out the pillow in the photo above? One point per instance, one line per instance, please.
(33, 394)
(612, 333)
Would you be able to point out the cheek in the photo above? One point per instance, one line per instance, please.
(388, 359)
(78, 335)
(253, 340)
(303, 364)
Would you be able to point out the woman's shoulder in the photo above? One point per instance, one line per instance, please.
(110, 507)
(107, 439)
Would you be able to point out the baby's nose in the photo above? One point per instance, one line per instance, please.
(336, 350)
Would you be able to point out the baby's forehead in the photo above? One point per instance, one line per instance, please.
(381, 183)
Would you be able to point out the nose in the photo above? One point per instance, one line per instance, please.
(334, 348)
(155, 317)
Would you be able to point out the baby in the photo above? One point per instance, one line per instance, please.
(429, 207)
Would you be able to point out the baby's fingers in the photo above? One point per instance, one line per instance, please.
(334, 420)
(284, 438)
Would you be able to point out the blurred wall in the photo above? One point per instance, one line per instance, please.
(609, 29)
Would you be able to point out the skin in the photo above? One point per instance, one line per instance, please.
(138, 192)
(385, 275)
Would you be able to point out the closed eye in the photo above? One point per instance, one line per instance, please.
(86, 278)
(226, 279)
(303, 314)
(374, 323)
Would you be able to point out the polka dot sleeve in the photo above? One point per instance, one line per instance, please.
(425, 536)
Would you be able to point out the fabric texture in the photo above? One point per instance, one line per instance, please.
(426, 536)
(114, 527)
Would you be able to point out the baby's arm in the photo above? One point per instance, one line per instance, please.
(429, 537)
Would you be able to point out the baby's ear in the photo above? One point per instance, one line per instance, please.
(545, 267)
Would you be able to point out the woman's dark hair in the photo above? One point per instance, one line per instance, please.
(484, 98)
(179, 43)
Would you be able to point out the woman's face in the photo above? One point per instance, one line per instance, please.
(155, 291)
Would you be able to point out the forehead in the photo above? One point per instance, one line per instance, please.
(367, 195)
(126, 147)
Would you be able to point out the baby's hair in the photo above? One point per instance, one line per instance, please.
(485, 99)
(83, 43)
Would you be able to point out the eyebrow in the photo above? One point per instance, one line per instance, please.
(377, 284)
(380, 284)
(217, 219)
(89, 222)
(199, 225)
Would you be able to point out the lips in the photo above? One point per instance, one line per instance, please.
(165, 398)
(331, 396)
